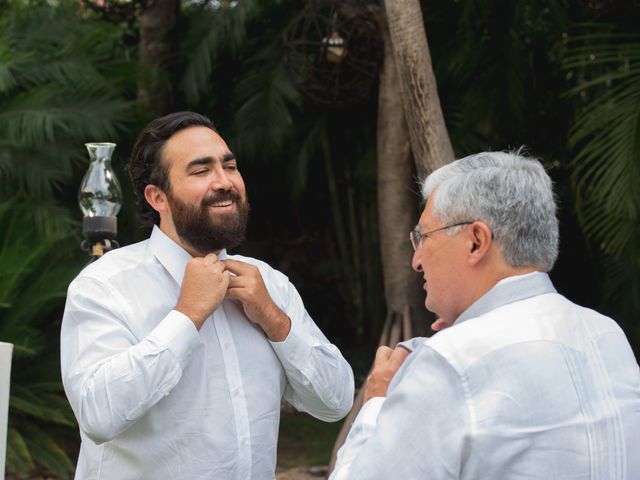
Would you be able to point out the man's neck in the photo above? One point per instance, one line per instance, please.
(488, 279)
(515, 271)
(509, 289)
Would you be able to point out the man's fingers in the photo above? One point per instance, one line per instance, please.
(398, 356)
(385, 366)
(233, 293)
(219, 268)
(210, 258)
(209, 261)
(382, 354)
(235, 281)
(238, 267)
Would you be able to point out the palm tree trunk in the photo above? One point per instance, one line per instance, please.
(157, 20)
(429, 137)
(398, 201)
(411, 122)
(397, 214)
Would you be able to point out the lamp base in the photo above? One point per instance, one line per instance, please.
(98, 248)
(99, 234)
(96, 229)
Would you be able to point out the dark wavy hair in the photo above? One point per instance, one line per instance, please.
(146, 166)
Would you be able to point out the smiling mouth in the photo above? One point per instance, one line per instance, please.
(224, 203)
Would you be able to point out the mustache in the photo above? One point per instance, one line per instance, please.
(221, 196)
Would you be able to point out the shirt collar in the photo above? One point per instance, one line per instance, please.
(509, 290)
(172, 256)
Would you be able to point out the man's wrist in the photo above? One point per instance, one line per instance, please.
(197, 320)
(278, 326)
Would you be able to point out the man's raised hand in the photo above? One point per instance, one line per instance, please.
(203, 288)
(385, 366)
(247, 286)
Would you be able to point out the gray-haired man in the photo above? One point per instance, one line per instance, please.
(523, 384)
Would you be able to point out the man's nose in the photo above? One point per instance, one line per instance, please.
(221, 180)
(416, 263)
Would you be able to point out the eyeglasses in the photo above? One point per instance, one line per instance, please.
(416, 237)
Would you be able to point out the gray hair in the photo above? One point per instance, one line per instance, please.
(509, 192)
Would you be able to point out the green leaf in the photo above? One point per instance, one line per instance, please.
(24, 401)
(606, 135)
(211, 32)
(19, 457)
(46, 452)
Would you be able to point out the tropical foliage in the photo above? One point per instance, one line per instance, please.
(604, 63)
(35, 269)
(509, 73)
(63, 82)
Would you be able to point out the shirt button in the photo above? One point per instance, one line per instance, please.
(189, 352)
(226, 345)
(292, 356)
(243, 441)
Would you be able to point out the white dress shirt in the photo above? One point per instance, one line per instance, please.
(524, 385)
(157, 399)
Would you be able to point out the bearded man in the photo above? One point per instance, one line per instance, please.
(175, 355)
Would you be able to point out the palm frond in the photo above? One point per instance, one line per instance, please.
(65, 79)
(267, 101)
(61, 84)
(623, 284)
(46, 451)
(606, 135)
(8, 61)
(34, 273)
(48, 114)
(19, 457)
(310, 150)
(27, 400)
(211, 32)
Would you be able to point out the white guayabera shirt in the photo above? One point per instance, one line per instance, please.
(524, 385)
(156, 399)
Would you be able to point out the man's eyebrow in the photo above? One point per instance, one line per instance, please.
(200, 161)
(227, 157)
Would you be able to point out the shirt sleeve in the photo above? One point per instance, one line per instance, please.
(319, 380)
(418, 431)
(110, 376)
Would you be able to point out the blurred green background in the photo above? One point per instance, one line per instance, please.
(561, 77)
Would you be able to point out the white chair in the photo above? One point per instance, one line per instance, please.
(5, 376)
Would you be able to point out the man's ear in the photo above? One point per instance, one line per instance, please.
(481, 241)
(156, 198)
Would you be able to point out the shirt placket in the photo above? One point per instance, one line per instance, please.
(236, 390)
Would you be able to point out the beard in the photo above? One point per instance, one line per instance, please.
(205, 233)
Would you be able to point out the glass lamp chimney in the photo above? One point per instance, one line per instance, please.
(100, 199)
(100, 194)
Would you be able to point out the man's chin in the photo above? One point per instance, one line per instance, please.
(430, 306)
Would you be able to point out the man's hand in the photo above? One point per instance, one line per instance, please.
(247, 286)
(385, 366)
(203, 288)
